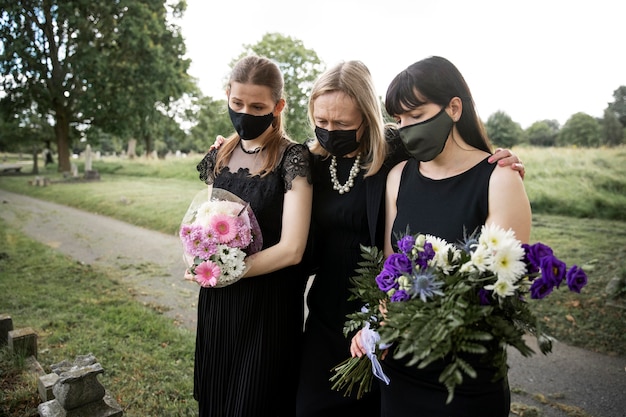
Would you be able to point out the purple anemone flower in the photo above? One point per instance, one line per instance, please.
(398, 264)
(400, 295)
(406, 243)
(540, 288)
(576, 278)
(387, 280)
(553, 269)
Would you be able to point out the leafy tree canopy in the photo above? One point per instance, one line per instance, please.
(619, 105)
(582, 130)
(107, 63)
(503, 131)
(543, 133)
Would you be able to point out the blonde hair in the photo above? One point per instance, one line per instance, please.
(353, 78)
(258, 71)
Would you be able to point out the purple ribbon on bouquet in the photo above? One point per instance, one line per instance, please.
(369, 340)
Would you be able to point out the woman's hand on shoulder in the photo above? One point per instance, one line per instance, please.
(219, 139)
(504, 157)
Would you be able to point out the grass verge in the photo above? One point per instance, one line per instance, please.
(78, 309)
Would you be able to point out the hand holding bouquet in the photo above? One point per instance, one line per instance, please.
(446, 301)
(217, 234)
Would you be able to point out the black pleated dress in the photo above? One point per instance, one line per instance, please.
(249, 333)
(444, 208)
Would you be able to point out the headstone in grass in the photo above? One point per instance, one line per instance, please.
(78, 392)
(6, 325)
(90, 173)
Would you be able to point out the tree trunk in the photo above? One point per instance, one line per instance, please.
(61, 131)
(148, 142)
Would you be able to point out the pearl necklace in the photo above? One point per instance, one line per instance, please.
(356, 167)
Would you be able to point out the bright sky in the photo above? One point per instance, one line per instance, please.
(533, 59)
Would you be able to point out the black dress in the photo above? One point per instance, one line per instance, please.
(339, 226)
(249, 333)
(446, 208)
(340, 223)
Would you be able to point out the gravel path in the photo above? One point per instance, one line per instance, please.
(569, 382)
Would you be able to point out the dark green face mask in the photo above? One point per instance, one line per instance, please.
(425, 140)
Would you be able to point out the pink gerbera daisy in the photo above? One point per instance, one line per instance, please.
(224, 227)
(207, 274)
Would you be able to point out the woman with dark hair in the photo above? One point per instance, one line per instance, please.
(353, 152)
(447, 188)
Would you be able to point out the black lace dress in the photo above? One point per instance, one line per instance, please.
(249, 333)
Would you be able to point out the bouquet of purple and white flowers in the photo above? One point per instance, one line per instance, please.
(442, 300)
(217, 234)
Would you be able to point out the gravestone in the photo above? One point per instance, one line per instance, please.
(88, 158)
(90, 173)
(78, 392)
(6, 325)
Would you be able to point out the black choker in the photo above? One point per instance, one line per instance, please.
(252, 152)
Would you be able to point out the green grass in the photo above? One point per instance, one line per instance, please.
(583, 183)
(579, 209)
(77, 309)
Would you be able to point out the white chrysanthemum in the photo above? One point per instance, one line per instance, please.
(507, 262)
(481, 258)
(493, 237)
(231, 260)
(502, 287)
(467, 268)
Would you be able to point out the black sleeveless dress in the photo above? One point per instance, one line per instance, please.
(450, 208)
(248, 339)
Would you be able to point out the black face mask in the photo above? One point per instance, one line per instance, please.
(249, 126)
(337, 142)
(425, 140)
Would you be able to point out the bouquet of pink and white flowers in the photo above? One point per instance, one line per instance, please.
(442, 300)
(217, 234)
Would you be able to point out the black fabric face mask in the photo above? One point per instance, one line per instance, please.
(248, 126)
(337, 142)
(425, 140)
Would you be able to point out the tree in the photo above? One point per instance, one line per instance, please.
(300, 67)
(503, 131)
(149, 73)
(213, 120)
(613, 132)
(619, 105)
(543, 133)
(106, 63)
(581, 130)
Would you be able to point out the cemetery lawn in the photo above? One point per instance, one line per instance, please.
(579, 209)
(78, 309)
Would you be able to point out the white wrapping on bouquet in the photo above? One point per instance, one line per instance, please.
(217, 234)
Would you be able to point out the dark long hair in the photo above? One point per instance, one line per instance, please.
(437, 80)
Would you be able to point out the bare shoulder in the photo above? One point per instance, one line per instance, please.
(396, 171)
(504, 176)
